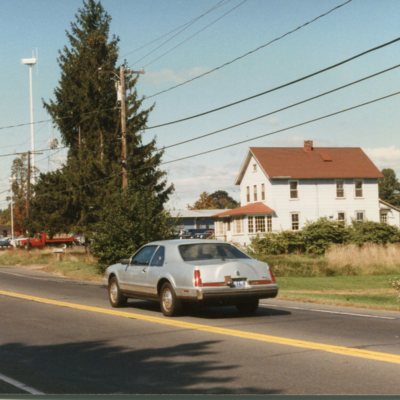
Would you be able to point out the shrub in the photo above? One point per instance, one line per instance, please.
(131, 220)
(373, 232)
(319, 235)
(284, 242)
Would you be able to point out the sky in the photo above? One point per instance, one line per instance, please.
(176, 40)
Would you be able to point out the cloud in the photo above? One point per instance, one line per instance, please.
(172, 77)
(193, 179)
(385, 157)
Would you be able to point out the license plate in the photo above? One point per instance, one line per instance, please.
(239, 284)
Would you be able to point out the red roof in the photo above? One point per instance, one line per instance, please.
(248, 209)
(313, 163)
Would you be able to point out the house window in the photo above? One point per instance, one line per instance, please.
(384, 217)
(248, 194)
(255, 192)
(260, 224)
(269, 223)
(254, 167)
(250, 224)
(295, 222)
(293, 189)
(239, 225)
(341, 217)
(263, 191)
(359, 216)
(339, 189)
(359, 188)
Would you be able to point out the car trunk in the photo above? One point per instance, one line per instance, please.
(229, 272)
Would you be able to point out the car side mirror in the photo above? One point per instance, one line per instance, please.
(125, 261)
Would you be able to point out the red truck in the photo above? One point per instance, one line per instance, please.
(42, 240)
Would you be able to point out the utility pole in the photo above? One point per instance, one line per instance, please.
(123, 128)
(12, 207)
(122, 94)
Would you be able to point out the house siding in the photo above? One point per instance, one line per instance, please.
(316, 197)
(252, 178)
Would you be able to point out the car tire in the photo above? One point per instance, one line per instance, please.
(117, 299)
(248, 306)
(170, 305)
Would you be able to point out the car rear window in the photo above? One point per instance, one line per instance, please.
(209, 251)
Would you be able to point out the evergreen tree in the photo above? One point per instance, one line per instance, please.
(87, 113)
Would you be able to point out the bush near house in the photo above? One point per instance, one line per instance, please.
(317, 237)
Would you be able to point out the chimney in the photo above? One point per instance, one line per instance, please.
(308, 145)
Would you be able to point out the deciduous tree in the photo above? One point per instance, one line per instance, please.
(216, 200)
(389, 187)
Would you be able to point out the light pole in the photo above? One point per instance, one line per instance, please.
(31, 62)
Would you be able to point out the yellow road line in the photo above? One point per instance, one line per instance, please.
(342, 350)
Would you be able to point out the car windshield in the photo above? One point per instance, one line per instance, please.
(209, 251)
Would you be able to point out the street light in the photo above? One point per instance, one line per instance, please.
(31, 62)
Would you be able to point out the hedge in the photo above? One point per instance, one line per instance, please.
(316, 237)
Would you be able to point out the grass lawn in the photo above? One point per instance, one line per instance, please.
(372, 291)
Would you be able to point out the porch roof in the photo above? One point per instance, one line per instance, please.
(248, 209)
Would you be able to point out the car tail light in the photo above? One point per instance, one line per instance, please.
(197, 278)
(273, 279)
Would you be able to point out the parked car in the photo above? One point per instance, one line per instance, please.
(5, 242)
(195, 233)
(191, 270)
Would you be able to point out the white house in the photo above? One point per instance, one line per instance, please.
(283, 188)
(390, 214)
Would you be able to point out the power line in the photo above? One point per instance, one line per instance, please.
(186, 26)
(251, 51)
(241, 142)
(195, 34)
(284, 129)
(36, 151)
(282, 109)
(277, 87)
(58, 149)
(57, 119)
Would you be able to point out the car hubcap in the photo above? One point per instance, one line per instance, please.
(167, 299)
(113, 292)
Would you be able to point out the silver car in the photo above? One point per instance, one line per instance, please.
(193, 270)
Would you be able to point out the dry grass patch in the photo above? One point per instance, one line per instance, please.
(368, 259)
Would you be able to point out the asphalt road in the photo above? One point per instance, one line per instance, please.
(65, 339)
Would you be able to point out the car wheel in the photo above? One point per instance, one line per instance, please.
(117, 299)
(248, 306)
(169, 303)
